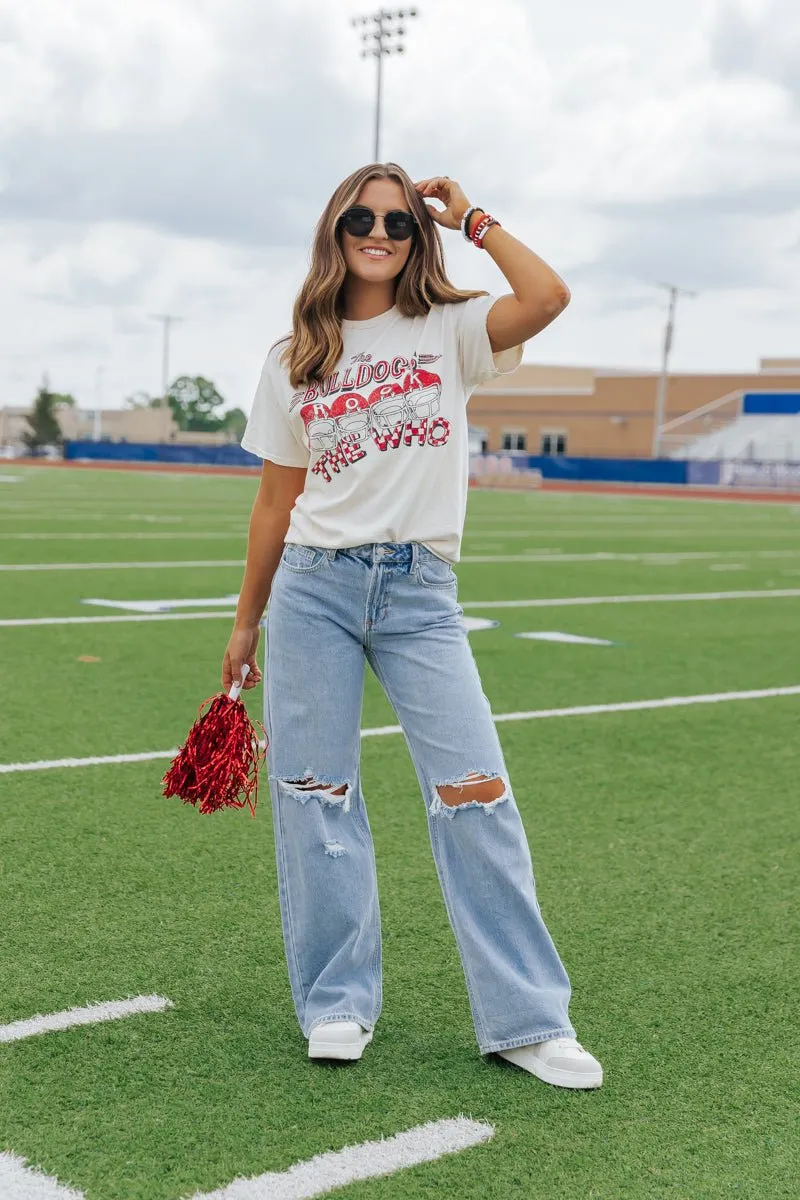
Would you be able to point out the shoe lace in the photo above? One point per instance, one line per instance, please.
(571, 1043)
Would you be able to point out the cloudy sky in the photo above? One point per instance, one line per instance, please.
(172, 156)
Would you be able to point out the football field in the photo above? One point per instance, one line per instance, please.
(652, 743)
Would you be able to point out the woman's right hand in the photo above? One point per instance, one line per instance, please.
(241, 649)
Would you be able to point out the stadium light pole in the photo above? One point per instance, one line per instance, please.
(661, 391)
(383, 32)
(167, 320)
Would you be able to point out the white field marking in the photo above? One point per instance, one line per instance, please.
(558, 602)
(473, 624)
(96, 761)
(573, 638)
(369, 1160)
(615, 498)
(530, 557)
(651, 558)
(117, 619)
(103, 1010)
(556, 532)
(384, 730)
(169, 535)
(152, 606)
(666, 598)
(18, 1181)
(122, 566)
(591, 710)
(727, 566)
(11, 479)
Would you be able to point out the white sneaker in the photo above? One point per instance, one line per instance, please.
(561, 1061)
(338, 1039)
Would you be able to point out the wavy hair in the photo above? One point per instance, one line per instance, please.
(315, 344)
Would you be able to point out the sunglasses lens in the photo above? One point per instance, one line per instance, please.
(399, 225)
(358, 221)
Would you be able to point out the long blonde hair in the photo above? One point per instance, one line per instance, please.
(315, 345)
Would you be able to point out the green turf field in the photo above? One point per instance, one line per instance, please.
(664, 842)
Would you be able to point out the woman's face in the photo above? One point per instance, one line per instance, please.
(387, 258)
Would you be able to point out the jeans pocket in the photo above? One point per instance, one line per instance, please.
(432, 571)
(302, 558)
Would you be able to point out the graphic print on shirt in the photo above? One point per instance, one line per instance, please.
(402, 410)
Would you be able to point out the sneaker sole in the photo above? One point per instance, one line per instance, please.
(554, 1075)
(341, 1051)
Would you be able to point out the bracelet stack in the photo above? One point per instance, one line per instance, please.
(479, 232)
(465, 222)
(481, 229)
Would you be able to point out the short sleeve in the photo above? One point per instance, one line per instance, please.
(477, 362)
(268, 432)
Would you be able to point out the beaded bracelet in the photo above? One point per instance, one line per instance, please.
(481, 229)
(465, 222)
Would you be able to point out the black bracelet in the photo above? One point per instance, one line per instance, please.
(465, 220)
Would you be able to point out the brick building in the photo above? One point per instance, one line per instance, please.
(610, 413)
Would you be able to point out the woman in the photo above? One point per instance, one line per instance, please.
(360, 418)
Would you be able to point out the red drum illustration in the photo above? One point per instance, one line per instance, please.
(352, 416)
(388, 406)
(423, 394)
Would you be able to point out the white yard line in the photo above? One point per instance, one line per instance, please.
(648, 557)
(316, 1177)
(122, 566)
(169, 535)
(666, 598)
(16, 622)
(531, 556)
(368, 1160)
(18, 1181)
(554, 602)
(582, 710)
(103, 1010)
(657, 555)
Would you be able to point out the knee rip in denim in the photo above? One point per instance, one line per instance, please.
(475, 790)
(333, 795)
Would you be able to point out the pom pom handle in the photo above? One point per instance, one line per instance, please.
(233, 694)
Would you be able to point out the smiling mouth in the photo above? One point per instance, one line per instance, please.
(374, 252)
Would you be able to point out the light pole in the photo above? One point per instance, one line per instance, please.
(97, 431)
(661, 392)
(167, 320)
(383, 33)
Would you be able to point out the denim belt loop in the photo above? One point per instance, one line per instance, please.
(414, 558)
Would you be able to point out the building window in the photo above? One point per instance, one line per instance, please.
(514, 439)
(553, 442)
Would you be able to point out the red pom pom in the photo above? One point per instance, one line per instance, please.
(217, 767)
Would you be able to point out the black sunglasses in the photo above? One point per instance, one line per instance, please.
(359, 222)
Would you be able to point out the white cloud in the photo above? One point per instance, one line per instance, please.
(173, 155)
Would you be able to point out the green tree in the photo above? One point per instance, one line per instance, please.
(43, 427)
(235, 420)
(195, 404)
(140, 400)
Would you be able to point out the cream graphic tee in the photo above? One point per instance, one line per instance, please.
(384, 439)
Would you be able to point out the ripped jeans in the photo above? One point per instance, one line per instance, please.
(395, 606)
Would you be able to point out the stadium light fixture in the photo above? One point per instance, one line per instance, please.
(383, 33)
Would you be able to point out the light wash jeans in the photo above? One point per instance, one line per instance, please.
(394, 605)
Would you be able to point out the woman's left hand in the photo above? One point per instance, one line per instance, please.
(450, 194)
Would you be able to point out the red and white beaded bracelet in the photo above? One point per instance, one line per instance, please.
(479, 232)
